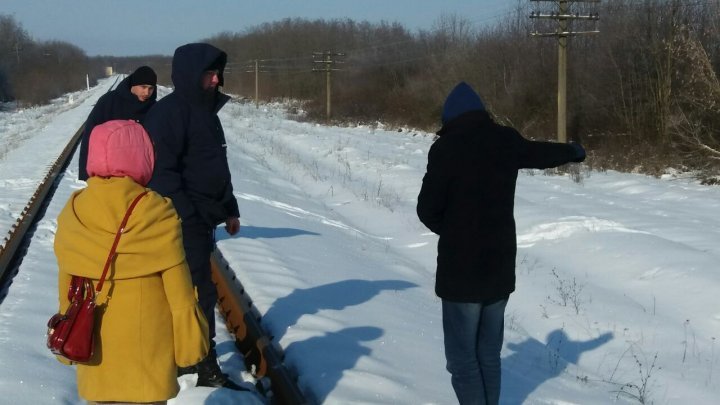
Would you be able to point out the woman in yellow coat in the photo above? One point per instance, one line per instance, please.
(149, 320)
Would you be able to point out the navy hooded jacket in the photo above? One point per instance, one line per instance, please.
(467, 197)
(118, 104)
(190, 151)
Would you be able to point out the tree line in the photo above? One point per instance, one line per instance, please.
(643, 94)
(35, 72)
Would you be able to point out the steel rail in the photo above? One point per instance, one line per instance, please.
(9, 253)
(11, 243)
(262, 357)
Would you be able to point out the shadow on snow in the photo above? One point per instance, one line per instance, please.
(534, 363)
(343, 347)
(258, 232)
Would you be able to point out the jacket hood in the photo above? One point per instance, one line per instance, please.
(189, 63)
(120, 148)
(151, 241)
(461, 100)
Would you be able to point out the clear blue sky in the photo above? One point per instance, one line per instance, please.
(141, 27)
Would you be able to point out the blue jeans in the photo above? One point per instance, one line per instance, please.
(473, 339)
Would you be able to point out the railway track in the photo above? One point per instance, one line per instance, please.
(263, 357)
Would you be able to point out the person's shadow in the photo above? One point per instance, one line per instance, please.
(533, 362)
(285, 311)
(344, 348)
(258, 232)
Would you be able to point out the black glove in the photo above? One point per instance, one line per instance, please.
(579, 152)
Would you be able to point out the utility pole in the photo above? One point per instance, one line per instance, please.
(562, 32)
(257, 82)
(17, 51)
(256, 68)
(326, 58)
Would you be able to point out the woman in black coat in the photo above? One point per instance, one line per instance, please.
(467, 198)
(130, 100)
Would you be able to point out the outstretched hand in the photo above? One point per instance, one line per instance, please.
(232, 225)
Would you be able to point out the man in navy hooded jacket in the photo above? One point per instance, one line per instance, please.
(191, 168)
(130, 100)
(467, 198)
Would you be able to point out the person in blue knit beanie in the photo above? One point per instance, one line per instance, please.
(467, 198)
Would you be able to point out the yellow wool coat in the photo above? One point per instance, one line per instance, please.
(149, 320)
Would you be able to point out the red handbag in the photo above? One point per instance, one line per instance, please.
(71, 335)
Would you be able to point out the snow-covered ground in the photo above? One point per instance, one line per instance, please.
(616, 274)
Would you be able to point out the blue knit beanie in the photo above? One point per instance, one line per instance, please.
(461, 100)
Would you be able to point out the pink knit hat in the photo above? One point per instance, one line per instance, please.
(121, 148)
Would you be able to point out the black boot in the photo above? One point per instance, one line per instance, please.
(186, 370)
(209, 375)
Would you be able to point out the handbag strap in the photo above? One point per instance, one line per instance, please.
(111, 256)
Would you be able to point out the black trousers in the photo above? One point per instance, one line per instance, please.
(199, 242)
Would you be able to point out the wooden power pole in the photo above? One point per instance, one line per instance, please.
(257, 84)
(326, 58)
(256, 68)
(562, 32)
